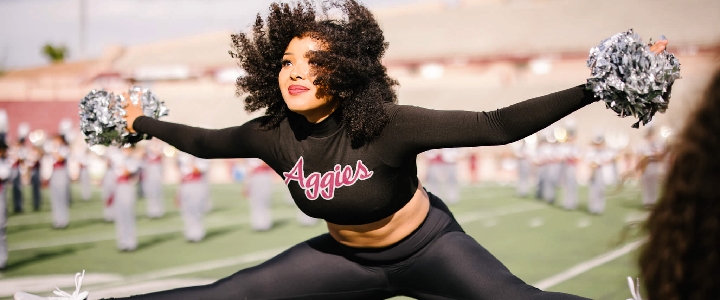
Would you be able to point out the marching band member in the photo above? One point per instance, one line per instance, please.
(259, 190)
(570, 155)
(442, 173)
(152, 179)
(6, 165)
(57, 154)
(108, 184)
(32, 164)
(598, 157)
(83, 160)
(523, 156)
(193, 194)
(125, 166)
(651, 154)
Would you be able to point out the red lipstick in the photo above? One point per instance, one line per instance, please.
(297, 89)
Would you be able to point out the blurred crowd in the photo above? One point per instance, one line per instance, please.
(551, 164)
(49, 164)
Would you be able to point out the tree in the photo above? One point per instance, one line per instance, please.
(56, 54)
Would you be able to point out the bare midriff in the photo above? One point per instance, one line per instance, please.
(387, 231)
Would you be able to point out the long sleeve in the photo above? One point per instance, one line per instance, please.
(413, 130)
(244, 141)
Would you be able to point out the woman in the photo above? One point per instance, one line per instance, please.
(348, 153)
(681, 260)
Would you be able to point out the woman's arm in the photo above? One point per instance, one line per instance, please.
(244, 141)
(414, 130)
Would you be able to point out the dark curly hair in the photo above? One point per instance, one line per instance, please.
(681, 260)
(349, 69)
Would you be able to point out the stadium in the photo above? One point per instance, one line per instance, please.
(469, 55)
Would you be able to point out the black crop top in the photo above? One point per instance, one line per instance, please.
(328, 179)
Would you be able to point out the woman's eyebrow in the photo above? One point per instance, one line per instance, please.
(288, 53)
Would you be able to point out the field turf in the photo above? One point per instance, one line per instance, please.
(542, 244)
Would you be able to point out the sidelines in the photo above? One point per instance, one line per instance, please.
(587, 265)
(263, 255)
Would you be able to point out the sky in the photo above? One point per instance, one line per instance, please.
(27, 25)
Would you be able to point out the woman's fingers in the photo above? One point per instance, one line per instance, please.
(659, 46)
(126, 96)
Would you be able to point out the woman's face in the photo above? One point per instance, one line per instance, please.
(296, 83)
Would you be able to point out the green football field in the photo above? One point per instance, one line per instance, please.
(554, 249)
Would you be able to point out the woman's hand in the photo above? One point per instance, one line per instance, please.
(132, 111)
(659, 46)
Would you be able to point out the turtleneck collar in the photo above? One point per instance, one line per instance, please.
(324, 128)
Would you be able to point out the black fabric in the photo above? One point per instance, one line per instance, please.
(437, 262)
(330, 180)
(438, 221)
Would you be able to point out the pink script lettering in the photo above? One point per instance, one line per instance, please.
(324, 185)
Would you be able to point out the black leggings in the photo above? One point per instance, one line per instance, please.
(437, 261)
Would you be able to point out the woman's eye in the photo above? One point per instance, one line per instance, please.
(285, 63)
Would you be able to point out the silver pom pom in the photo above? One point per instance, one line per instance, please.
(631, 79)
(102, 116)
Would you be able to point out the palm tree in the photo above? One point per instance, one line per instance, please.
(56, 54)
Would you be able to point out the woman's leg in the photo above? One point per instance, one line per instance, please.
(314, 269)
(457, 267)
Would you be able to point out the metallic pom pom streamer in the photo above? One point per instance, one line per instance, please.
(631, 79)
(102, 116)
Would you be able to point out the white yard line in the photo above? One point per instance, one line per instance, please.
(587, 266)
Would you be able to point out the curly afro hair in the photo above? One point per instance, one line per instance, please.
(681, 260)
(349, 69)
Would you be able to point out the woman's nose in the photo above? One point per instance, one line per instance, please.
(298, 73)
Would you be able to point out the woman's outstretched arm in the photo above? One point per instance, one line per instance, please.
(244, 141)
(415, 129)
